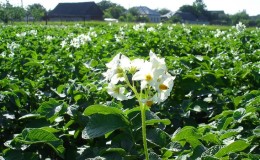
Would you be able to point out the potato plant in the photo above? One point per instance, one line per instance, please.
(54, 99)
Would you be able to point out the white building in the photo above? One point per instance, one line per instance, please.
(153, 16)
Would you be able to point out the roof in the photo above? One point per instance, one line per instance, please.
(168, 15)
(185, 16)
(146, 11)
(202, 18)
(76, 9)
(217, 12)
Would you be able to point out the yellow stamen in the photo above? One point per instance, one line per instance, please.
(148, 77)
(163, 87)
(149, 103)
(119, 70)
(132, 70)
(116, 90)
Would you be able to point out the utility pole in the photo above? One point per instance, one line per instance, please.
(22, 3)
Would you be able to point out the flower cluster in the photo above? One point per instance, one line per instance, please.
(13, 46)
(240, 27)
(148, 81)
(31, 32)
(80, 40)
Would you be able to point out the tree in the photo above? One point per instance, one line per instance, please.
(163, 11)
(114, 11)
(37, 11)
(5, 12)
(199, 7)
(188, 8)
(10, 13)
(130, 16)
(18, 13)
(104, 4)
(175, 19)
(111, 10)
(241, 16)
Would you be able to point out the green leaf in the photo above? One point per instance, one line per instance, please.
(224, 122)
(17, 100)
(153, 121)
(33, 64)
(121, 140)
(223, 114)
(93, 63)
(237, 100)
(62, 95)
(209, 158)
(211, 138)
(77, 97)
(231, 132)
(17, 155)
(154, 156)
(101, 109)
(197, 152)
(50, 109)
(240, 114)
(228, 121)
(158, 137)
(211, 151)
(29, 116)
(100, 124)
(236, 146)
(256, 131)
(36, 135)
(199, 57)
(174, 147)
(120, 151)
(167, 154)
(50, 129)
(188, 134)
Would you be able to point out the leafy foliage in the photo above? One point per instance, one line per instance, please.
(54, 104)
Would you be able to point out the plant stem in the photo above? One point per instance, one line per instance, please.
(144, 131)
(143, 116)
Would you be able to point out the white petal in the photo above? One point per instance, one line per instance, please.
(138, 76)
(125, 62)
(114, 62)
(143, 84)
(158, 63)
(114, 79)
(137, 63)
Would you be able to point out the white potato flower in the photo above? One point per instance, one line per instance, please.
(155, 82)
(163, 87)
(63, 43)
(147, 75)
(158, 63)
(136, 65)
(118, 92)
(114, 61)
(115, 72)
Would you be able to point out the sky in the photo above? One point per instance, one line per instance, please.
(252, 7)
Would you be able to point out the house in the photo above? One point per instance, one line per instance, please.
(167, 15)
(186, 17)
(218, 17)
(76, 12)
(152, 15)
(217, 14)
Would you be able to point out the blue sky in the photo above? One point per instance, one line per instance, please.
(252, 7)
